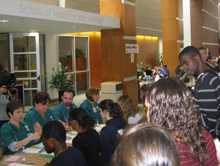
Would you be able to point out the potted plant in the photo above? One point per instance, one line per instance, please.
(59, 79)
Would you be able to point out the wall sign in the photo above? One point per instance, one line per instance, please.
(131, 48)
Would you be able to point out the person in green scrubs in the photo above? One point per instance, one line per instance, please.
(15, 134)
(62, 110)
(40, 112)
(90, 105)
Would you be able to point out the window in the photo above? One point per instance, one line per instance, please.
(74, 54)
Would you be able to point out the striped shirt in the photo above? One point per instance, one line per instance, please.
(207, 98)
(186, 157)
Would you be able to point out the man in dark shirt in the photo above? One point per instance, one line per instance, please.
(207, 89)
(54, 140)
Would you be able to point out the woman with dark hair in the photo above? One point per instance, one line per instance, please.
(87, 139)
(144, 145)
(113, 116)
(90, 105)
(171, 106)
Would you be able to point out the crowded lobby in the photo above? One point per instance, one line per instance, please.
(109, 82)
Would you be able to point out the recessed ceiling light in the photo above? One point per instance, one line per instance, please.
(3, 21)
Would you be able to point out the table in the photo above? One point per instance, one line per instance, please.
(36, 154)
(25, 160)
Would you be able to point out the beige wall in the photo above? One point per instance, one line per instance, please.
(48, 2)
(51, 60)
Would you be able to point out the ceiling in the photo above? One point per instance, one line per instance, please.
(25, 16)
(148, 20)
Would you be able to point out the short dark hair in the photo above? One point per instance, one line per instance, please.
(54, 129)
(113, 108)
(41, 97)
(90, 92)
(69, 90)
(84, 120)
(12, 106)
(143, 145)
(189, 51)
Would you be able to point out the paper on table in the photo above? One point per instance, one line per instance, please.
(32, 150)
(17, 164)
(14, 158)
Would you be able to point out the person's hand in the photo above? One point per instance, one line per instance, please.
(66, 125)
(37, 128)
(34, 136)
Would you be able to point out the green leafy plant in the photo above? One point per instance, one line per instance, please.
(59, 78)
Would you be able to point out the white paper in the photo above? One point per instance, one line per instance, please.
(32, 150)
(17, 164)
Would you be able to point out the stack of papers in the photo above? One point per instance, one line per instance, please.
(34, 149)
(17, 164)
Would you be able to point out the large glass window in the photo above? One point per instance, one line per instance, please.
(74, 54)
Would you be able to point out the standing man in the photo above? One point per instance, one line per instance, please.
(62, 110)
(207, 88)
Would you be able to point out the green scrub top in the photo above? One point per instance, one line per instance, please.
(10, 134)
(92, 109)
(33, 116)
(61, 112)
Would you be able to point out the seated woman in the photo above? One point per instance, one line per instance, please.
(142, 145)
(90, 105)
(14, 134)
(170, 106)
(87, 139)
(109, 135)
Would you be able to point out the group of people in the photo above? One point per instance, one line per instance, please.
(177, 128)
(50, 124)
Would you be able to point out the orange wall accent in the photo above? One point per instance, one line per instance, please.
(148, 50)
(110, 8)
(95, 59)
(170, 29)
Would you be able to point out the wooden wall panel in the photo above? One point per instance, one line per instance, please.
(170, 29)
(110, 8)
(204, 22)
(116, 65)
(95, 59)
(128, 19)
(148, 52)
(196, 22)
(112, 51)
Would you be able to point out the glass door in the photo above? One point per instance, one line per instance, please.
(25, 63)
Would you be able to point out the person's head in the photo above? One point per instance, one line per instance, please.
(204, 53)
(110, 110)
(144, 145)
(171, 106)
(190, 60)
(67, 97)
(92, 94)
(41, 101)
(3, 89)
(126, 104)
(53, 134)
(15, 111)
(80, 121)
